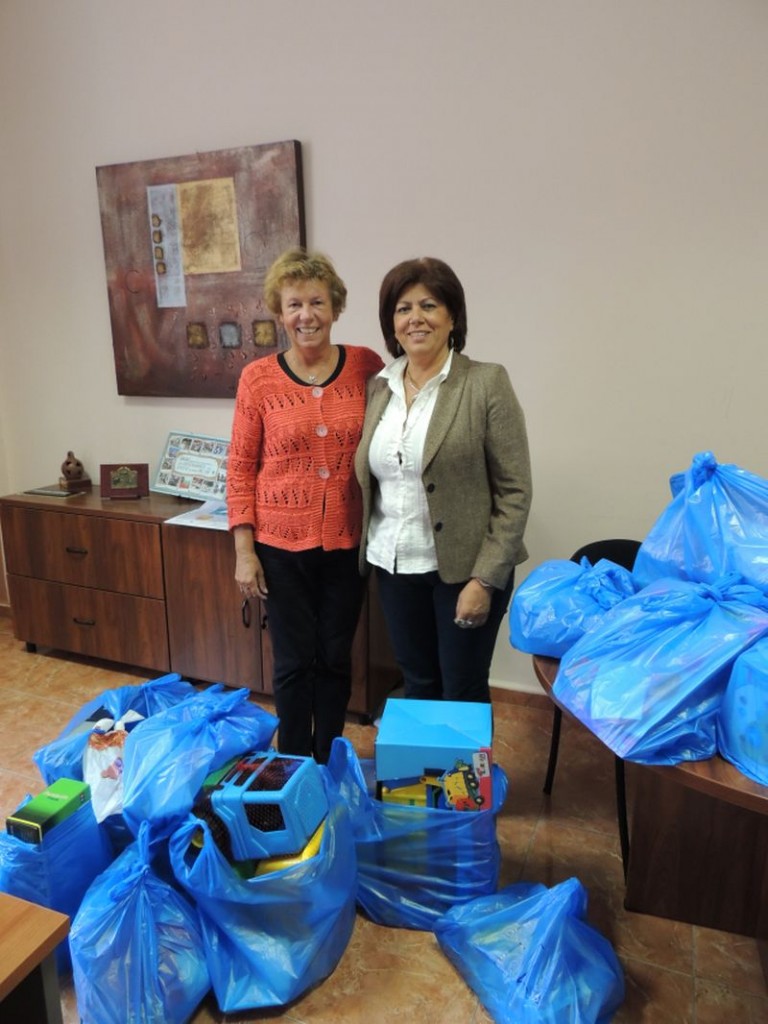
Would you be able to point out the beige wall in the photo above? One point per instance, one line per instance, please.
(595, 170)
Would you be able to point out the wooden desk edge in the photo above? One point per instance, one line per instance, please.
(714, 777)
(27, 916)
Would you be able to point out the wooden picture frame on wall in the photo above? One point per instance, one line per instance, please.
(124, 479)
(187, 242)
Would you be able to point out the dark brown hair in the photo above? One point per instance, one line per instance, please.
(438, 278)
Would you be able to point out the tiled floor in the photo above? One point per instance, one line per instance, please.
(675, 973)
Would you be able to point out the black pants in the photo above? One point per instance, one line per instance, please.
(438, 659)
(313, 606)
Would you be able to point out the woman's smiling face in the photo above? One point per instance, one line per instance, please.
(307, 314)
(422, 324)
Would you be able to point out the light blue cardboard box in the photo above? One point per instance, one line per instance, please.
(419, 734)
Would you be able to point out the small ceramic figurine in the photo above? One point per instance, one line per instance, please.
(72, 468)
(73, 475)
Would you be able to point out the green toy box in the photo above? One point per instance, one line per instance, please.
(38, 816)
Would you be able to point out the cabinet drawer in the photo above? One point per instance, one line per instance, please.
(89, 551)
(118, 627)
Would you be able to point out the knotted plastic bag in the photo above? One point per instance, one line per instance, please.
(531, 957)
(270, 937)
(167, 757)
(137, 946)
(742, 725)
(63, 757)
(561, 600)
(415, 863)
(649, 680)
(716, 524)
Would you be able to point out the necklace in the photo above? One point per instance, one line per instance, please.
(410, 381)
(312, 378)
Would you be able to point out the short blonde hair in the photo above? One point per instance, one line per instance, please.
(299, 265)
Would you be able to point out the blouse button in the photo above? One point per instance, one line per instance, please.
(324, 472)
(321, 430)
(317, 392)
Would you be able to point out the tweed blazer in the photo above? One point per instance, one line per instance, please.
(476, 471)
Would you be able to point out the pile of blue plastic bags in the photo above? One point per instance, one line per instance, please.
(161, 917)
(669, 662)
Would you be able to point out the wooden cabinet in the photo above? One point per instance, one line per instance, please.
(86, 575)
(113, 580)
(216, 636)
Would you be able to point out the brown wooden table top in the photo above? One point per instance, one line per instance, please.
(714, 777)
(153, 508)
(28, 933)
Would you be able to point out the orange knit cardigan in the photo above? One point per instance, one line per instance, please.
(290, 472)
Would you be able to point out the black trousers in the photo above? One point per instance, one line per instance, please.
(313, 607)
(439, 660)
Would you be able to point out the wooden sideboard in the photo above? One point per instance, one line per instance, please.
(86, 575)
(114, 580)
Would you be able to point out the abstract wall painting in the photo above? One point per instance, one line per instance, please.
(187, 242)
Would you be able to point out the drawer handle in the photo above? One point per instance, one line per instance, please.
(245, 612)
(76, 551)
(84, 622)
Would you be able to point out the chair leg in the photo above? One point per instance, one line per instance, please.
(554, 746)
(621, 813)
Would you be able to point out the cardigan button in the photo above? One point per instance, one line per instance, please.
(324, 473)
(438, 527)
(430, 488)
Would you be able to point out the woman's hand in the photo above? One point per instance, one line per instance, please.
(249, 574)
(473, 605)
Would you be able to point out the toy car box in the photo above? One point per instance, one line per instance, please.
(418, 737)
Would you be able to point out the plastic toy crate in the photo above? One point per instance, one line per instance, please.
(264, 805)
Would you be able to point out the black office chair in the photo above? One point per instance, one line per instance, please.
(624, 553)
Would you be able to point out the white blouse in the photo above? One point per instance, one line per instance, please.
(400, 532)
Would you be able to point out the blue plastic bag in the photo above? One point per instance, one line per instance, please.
(716, 524)
(57, 872)
(271, 937)
(63, 757)
(167, 757)
(531, 958)
(649, 680)
(137, 946)
(415, 863)
(561, 600)
(742, 726)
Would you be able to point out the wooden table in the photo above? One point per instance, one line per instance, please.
(29, 986)
(698, 843)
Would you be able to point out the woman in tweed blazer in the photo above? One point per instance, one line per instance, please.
(444, 470)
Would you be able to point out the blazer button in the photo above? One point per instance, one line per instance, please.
(430, 488)
(438, 527)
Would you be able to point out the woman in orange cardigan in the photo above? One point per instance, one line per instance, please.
(294, 504)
